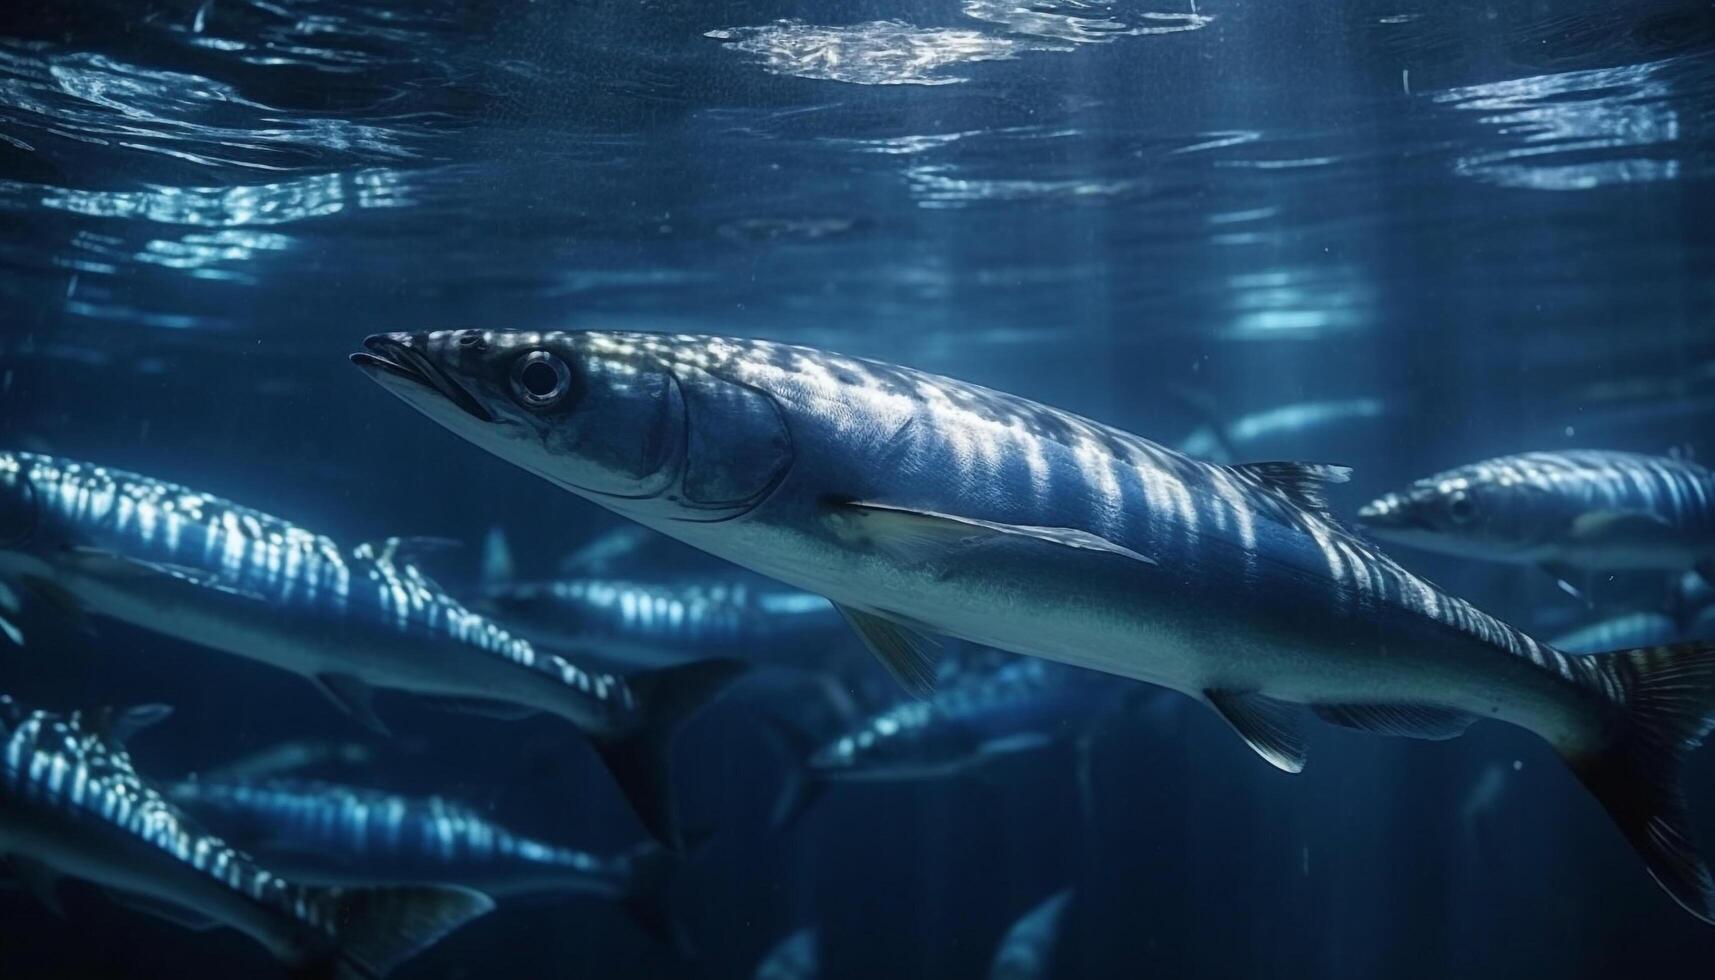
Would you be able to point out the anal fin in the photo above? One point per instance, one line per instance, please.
(907, 654)
(1267, 725)
(1405, 720)
(353, 697)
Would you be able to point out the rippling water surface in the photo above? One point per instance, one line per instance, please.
(1398, 233)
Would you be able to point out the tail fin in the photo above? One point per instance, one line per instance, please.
(1670, 709)
(798, 788)
(653, 870)
(641, 759)
(376, 929)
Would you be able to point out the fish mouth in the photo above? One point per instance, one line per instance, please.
(392, 357)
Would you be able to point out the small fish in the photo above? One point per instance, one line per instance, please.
(86, 540)
(292, 757)
(1026, 952)
(797, 957)
(1639, 629)
(330, 834)
(71, 804)
(975, 725)
(922, 506)
(641, 623)
(605, 552)
(1224, 441)
(1571, 513)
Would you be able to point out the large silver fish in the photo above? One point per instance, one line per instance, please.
(71, 804)
(84, 539)
(1569, 512)
(919, 504)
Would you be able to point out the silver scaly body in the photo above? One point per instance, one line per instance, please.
(192, 566)
(1586, 510)
(921, 505)
(71, 803)
(332, 834)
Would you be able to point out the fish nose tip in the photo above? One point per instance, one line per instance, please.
(381, 342)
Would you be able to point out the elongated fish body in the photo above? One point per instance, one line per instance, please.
(71, 804)
(204, 570)
(1579, 509)
(658, 623)
(978, 720)
(1616, 632)
(331, 834)
(207, 571)
(920, 504)
(1026, 952)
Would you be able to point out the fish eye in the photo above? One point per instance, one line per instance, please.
(1460, 507)
(472, 341)
(540, 379)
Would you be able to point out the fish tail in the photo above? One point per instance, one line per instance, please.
(1669, 698)
(376, 929)
(653, 871)
(798, 786)
(641, 758)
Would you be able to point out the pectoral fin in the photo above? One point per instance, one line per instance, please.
(906, 653)
(1571, 581)
(176, 914)
(353, 697)
(1268, 726)
(1407, 720)
(9, 630)
(916, 536)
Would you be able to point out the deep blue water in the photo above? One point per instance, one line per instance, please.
(1443, 231)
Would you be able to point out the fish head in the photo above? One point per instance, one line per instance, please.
(20, 508)
(617, 418)
(1467, 512)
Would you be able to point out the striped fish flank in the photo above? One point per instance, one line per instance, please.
(922, 505)
(331, 833)
(88, 539)
(1583, 510)
(71, 799)
(649, 623)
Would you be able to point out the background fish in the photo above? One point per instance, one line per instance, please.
(1026, 952)
(71, 804)
(1568, 512)
(85, 540)
(327, 833)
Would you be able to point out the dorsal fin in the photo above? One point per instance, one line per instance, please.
(1301, 483)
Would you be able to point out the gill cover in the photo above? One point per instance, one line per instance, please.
(737, 446)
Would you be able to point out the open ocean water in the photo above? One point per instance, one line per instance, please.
(1393, 234)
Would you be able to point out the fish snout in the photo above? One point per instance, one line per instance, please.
(410, 364)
